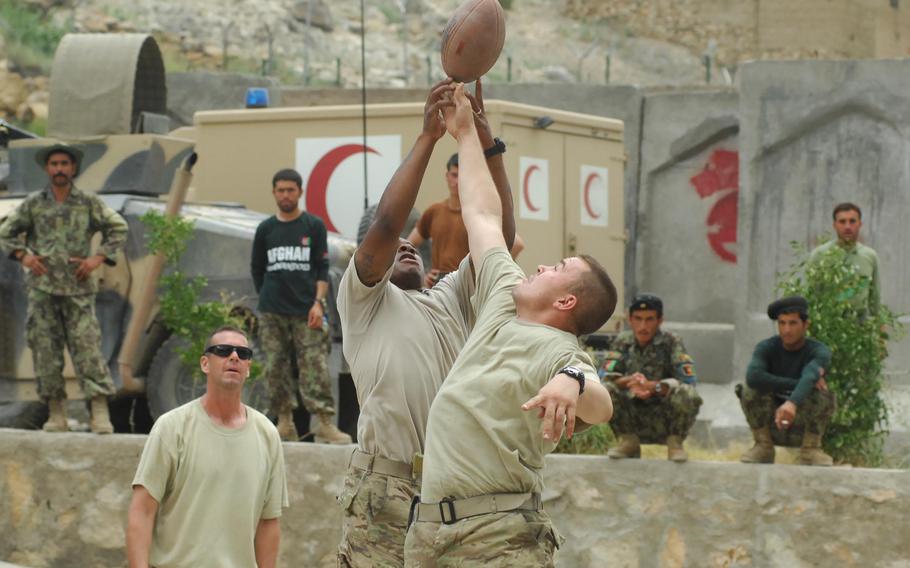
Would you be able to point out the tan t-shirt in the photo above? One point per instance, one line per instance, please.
(449, 236)
(479, 440)
(400, 346)
(213, 485)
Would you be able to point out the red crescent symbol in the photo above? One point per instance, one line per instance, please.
(587, 195)
(318, 185)
(524, 188)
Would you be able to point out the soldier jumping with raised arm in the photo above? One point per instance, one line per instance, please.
(522, 370)
(401, 341)
(58, 223)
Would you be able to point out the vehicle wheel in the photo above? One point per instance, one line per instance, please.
(25, 415)
(170, 383)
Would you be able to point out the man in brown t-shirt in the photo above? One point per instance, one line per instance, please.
(442, 224)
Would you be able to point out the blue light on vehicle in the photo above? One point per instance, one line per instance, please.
(257, 97)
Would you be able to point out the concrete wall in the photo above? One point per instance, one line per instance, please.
(63, 503)
(814, 134)
(687, 203)
(202, 90)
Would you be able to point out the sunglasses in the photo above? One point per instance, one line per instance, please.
(245, 353)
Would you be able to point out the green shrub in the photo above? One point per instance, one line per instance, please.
(506, 4)
(31, 39)
(180, 309)
(596, 440)
(859, 347)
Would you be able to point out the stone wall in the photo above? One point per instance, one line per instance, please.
(64, 498)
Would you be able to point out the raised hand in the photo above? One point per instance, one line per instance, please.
(439, 98)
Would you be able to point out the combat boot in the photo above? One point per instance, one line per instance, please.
(287, 430)
(56, 420)
(811, 452)
(675, 450)
(101, 418)
(763, 450)
(628, 447)
(326, 432)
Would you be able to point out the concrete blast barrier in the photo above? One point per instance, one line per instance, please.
(686, 219)
(64, 500)
(815, 134)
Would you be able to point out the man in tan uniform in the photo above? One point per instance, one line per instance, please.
(480, 502)
(400, 342)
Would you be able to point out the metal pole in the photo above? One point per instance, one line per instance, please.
(707, 61)
(363, 102)
(429, 70)
(337, 71)
(509, 69)
(404, 39)
(607, 70)
(306, 42)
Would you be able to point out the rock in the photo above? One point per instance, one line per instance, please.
(319, 11)
(558, 73)
(13, 91)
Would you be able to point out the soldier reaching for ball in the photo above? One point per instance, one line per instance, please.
(521, 371)
(401, 341)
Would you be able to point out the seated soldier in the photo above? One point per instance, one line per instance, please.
(787, 373)
(651, 382)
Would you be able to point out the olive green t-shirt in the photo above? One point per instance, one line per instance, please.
(400, 345)
(213, 485)
(479, 440)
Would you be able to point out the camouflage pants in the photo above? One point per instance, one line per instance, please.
(282, 338)
(515, 538)
(655, 418)
(812, 415)
(58, 321)
(375, 509)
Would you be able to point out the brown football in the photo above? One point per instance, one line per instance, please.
(472, 39)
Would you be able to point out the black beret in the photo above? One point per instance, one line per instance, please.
(788, 305)
(647, 302)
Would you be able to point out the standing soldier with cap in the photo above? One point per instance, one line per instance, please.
(58, 223)
(848, 220)
(787, 373)
(290, 269)
(651, 380)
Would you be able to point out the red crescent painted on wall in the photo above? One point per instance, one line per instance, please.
(587, 196)
(525, 186)
(722, 226)
(317, 186)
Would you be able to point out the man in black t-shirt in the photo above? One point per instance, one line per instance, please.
(785, 387)
(290, 270)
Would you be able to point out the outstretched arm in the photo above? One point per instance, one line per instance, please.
(481, 207)
(497, 170)
(377, 251)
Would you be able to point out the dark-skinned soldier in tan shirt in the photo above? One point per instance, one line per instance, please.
(400, 342)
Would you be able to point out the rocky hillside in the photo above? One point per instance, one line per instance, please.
(402, 39)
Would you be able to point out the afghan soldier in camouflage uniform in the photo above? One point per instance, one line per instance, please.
(651, 380)
(58, 223)
(787, 373)
(290, 270)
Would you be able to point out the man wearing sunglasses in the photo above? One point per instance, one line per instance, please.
(212, 471)
(400, 342)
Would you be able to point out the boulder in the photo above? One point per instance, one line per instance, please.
(319, 12)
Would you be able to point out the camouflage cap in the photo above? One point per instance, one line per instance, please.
(789, 305)
(75, 153)
(647, 302)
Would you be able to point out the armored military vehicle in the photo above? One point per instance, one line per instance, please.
(108, 99)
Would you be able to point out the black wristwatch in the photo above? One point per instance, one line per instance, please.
(576, 374)
(498, 147)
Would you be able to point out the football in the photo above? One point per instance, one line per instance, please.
(473, 39)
